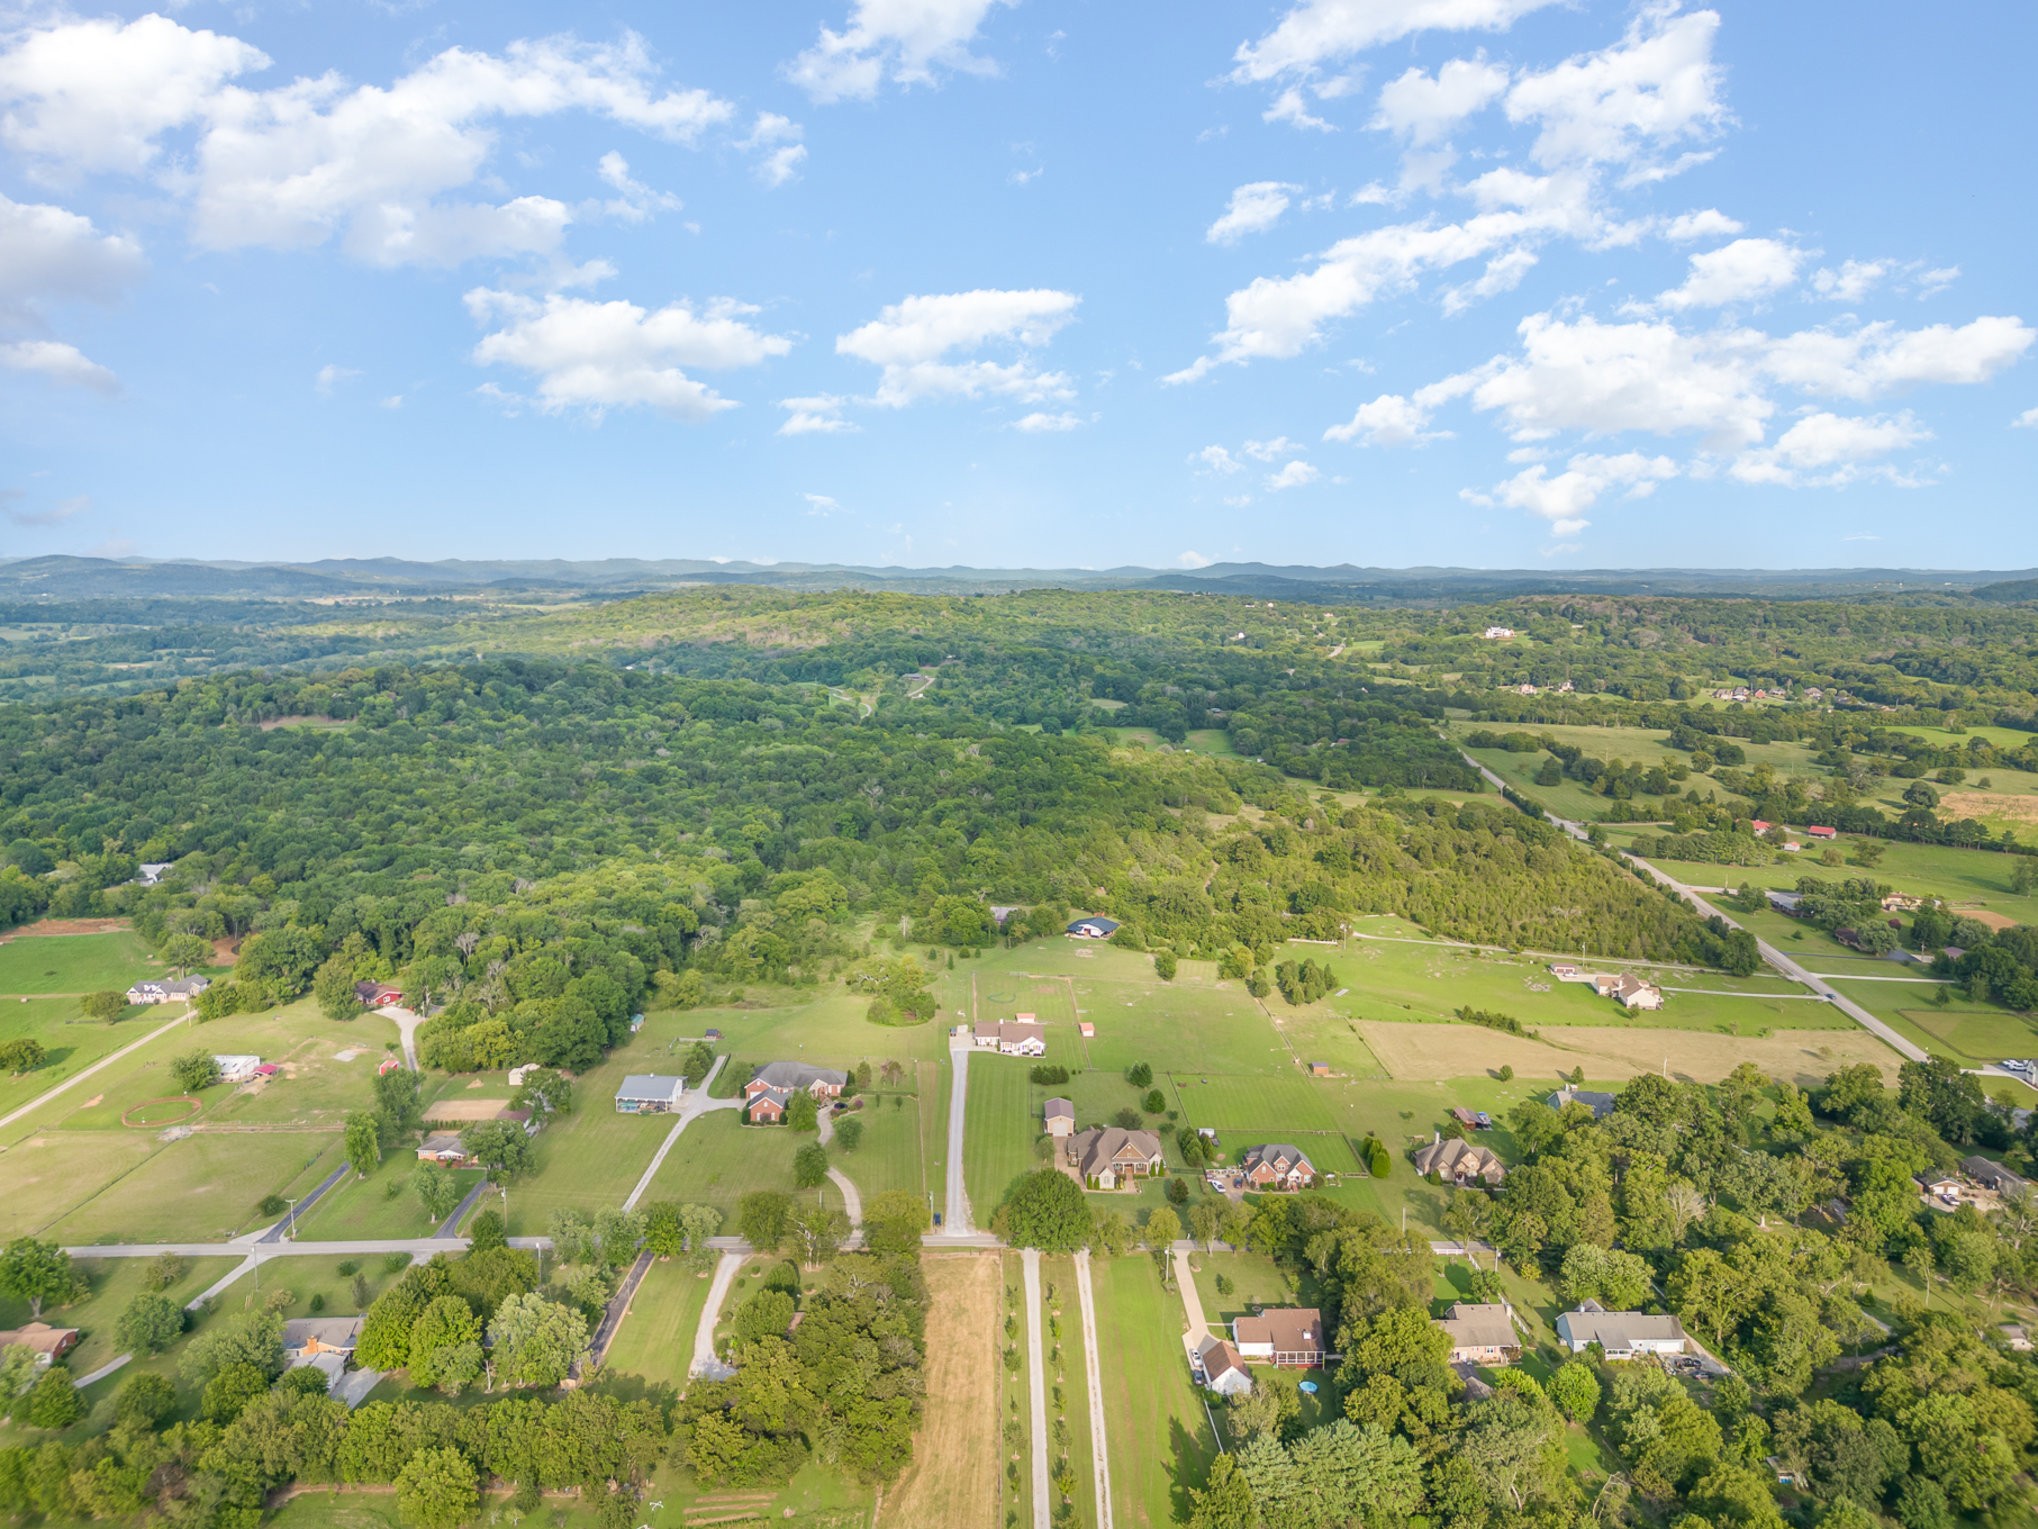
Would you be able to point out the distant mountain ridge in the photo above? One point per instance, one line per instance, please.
(68, 577)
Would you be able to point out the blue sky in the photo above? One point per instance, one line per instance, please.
(1477, 282)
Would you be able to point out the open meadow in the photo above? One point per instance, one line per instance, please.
(953, 1480)
(33, 961)
(1159, 1434)
(656, 1338)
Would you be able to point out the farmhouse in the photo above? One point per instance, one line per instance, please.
(1633, 994)
(1093, 928)
(1902, 902)
(1290, 1336)
(1945, 1188)
(49, 1344)
(1277, 1166)
(1786, 902)
(443, 1148)
(1498, 633)
(1110, 1157)
(1220, 1368)
(1818, 831)
(766, 1107)
(1622, 1334)
(1058, 1117)
(167, 989)
(1600, 1104)
(153, 871)
(374, 995)
(1011, 1037)
(1481, 1334)
(649, 1093)
(237, 1066)
(1459, 1163)
(1992, 1175)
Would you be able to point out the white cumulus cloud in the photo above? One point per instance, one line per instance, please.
(819, 414)
(1828, 450)
(1254, 208)
(926, 345)
(1389, 420)
(1315, 33)
(601, 355)
(1563, 498)
(901, 41)
(1040, 422)
(1708, 223)
(1424, 108)
(1744, 271)
(58, 362)
(1296, 474)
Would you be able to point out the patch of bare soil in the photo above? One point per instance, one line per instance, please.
(953, 1480)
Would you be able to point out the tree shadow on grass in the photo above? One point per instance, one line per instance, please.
(1190, 1455)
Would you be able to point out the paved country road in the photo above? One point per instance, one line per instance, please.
(1898, 1042)
(957, 1220)
(85, 1072)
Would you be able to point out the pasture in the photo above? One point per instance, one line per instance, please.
(201, 1188)
(656, 1339)
(1968, 1033)
(381, 1205)
(72, 1042)
(1004, 1123)
(32, 963)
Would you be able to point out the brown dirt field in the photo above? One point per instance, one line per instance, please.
(225, 951)
(64, 926)
(1989, 804)
(1431, 1052)
(953, 1480)
(466, 1109)
(1989, 917)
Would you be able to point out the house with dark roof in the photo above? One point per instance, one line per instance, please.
(444, 1148)
(1993, 1175)
(1058, 1117)
(374, 995)
(1219, 1367)
(1111, 1157)
(1481, 1334)
(1622, 1334)
(1289, 1336)
(821, 1082)
(1095, 927)
(1277, 1165)
(168, 989)
(1600, 1104)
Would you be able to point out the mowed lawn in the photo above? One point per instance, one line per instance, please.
(1961, 1031)
(113, 1283)
(357, 1209)
(1231, 1104)
(717, 1162)
(1003, 1124)
(73, 963)
(72, 1042)
(1159, 1438)
(656, 1339)
(202, 1188)
(889, 1155)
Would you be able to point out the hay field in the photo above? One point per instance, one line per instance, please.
(1455, 1051)
(953, 1480)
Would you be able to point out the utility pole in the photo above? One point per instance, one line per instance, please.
(290, 1225)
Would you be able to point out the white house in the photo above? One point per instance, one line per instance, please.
(1219, 1367)
(1020, 1037)
(1622, 1334)
(649, 1093)
(168, 989)
(1498, 633)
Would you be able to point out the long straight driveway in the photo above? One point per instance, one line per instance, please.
(1036, 1369)
(1099, 1451)
(957, 1221)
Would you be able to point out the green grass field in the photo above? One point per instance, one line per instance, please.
(359, 1209)
(828, 1029)
(72, 1041)
(1004, 1123)
(656, 1339)
(717, 1162)
(1231, 1104)
(73, 963)
(1159, 1437)
(113, 1283)
(889, 1156)
(203, 1188)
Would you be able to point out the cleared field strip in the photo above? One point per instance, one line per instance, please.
(1228, 1104)
(1159, 1437)
(953, 1480)
(1439, 1052)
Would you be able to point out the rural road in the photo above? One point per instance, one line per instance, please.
(451, 1225)
(281, 1229)
(407, 1024)
(705, 1363)
(694, 1105)
(957, 1220)
(852, 1200)
(1101, 1456)
(102, 1372)
(1899, 1043)
(85, 1072)
(1036, 1369)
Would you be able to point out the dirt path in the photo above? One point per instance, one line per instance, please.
(1101, 1455)
(1036, 1369)
(85, 1072)
(953, 1480)
(705, 1363)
